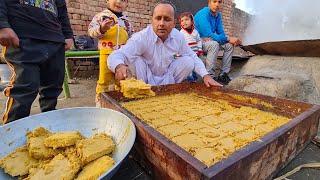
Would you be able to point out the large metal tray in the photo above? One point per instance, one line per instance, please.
(298, 48)
(258, 160)
(88, 121)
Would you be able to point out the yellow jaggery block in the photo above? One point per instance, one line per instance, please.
(205, 155)
(132, 88)
(59, 168)
(35, 144)
(189, 141)
(18, 162)
(209, 129)
(62, 139)
(95, 147)
(173, 130)
(95, 169)
(63, 163)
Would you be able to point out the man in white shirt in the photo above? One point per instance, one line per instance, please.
(158, 53)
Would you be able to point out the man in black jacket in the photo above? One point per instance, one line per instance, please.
(36, 34)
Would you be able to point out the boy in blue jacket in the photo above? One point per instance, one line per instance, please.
(208, 22)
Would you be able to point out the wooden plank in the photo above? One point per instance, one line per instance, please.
(258, 160)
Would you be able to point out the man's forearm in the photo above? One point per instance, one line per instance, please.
(200, 68)
(220, 38)
(114, 60)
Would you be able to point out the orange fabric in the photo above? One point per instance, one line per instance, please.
(6, 91)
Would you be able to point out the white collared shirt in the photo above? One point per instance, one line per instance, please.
(158, 54)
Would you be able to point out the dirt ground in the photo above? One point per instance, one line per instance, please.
(82, 95)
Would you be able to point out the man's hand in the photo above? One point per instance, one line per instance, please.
(106, 25)
(234, 41)
(122, 72)
(9, 38)
(69, 44)
(208, 81)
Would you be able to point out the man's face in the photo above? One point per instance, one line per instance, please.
(163, 20)
(118, 5)
(215, 5)
(186, 22)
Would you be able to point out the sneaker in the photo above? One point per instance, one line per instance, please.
(224, 78)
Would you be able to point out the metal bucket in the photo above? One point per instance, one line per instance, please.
(88, 121)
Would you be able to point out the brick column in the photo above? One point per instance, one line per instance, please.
(81, 13)
(227, 12)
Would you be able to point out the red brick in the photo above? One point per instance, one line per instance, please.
(81, 13)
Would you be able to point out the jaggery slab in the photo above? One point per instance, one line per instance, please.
(96, 168)
(18, 162)
(59, 168)
(133, 88)
(35, 144)
(94, 147)
(62, 139)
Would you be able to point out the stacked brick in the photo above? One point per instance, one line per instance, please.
(84, 68)
(240, 22)
(81, 12)
(139, 11)
(227, 12)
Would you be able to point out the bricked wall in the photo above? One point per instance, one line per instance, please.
(240, 22)
(81, 12)
(227, 12)
(84, 68)
(139, 11)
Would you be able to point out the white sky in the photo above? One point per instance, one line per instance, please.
(242, 4)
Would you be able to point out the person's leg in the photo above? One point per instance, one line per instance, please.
(180, 69)
(105, 81)
(23, 88)
(212, 49)
(139, 68)
(224, 78)
(227, 57)
(51, 76)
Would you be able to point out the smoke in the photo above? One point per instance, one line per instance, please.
(282, 20)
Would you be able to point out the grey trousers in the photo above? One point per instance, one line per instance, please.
(212, 49)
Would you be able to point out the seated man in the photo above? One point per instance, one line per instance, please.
(208, 22)
(158, 54)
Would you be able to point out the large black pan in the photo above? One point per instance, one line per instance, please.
(300, 48)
